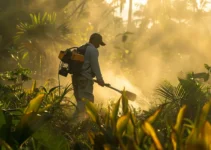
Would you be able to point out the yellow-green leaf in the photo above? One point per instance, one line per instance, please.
(150, 131)
(152, 118)
(139, 135)
(206, 134)
(35, 19)
(107, 147)
(45, 108)
(32, 18)
(204, 113)
(107, 120)
(130, 128)
(4, 144)
(34, 84)
(38, 19)
(44, 17)
(174, 140)
(179, 119)
(91, 137)
(122, 124)
(34, 104)
(115, 110)
(124, 103)
(92, 111)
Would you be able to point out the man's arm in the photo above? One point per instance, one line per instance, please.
(95, 64)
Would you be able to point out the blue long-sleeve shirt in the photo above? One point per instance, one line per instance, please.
(91, 67)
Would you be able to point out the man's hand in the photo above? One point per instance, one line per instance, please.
(101, 82)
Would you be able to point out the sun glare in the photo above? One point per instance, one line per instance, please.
(143, 2)
(124, 12)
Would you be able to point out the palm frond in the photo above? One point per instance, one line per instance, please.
(41, 28)
(167, 91)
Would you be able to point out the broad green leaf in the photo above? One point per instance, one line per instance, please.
(28, 125)
(201, 120)
(49, 18)
(48, 106)
(122, 124)
(175, 135)
(206, 134)
(34, 104)
(203, 115)
(38, 19)
(152, 118)
(67, 89)
(52, 89)
(92, 111)
(133, 118)
(152, 147)
(44, 89)
(35, 19)
(4, 144)
(174, 140)
(34, 84)
(130, 129)
(207, 67)
(44, 17)
(107, 147)
(150, 131)
(131, 144)
(107, 120)
(54, 17)
(25, 55)
(115, 110)
(179, 119)
(91, 136)
(124, 103)
(139, 135)
(32, 18)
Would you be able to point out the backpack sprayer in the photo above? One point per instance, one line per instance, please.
(71, 62)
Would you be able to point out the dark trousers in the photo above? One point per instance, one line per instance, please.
(83, 89)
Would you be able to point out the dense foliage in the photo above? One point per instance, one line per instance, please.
(159, 40)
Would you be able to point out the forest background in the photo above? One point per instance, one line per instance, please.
(158, 40)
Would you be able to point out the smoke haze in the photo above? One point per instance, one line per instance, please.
(156, 52)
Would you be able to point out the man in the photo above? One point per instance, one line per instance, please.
(83, 84)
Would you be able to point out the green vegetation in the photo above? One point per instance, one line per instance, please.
(159, 40)
(32, 118)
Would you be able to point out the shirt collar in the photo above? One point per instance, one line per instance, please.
(91, 45)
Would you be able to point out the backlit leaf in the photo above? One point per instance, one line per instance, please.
(152, 118)
(115, 110)
(34, 84)
(122, 124)
(179, 119)
(124, 103)
(4, 144)
(204, 113)
(92, 111)
(150, 131)
(34, 104)
(25, 55)
(206, 134)
(107, 119)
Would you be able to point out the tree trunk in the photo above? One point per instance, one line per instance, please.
(130, 15)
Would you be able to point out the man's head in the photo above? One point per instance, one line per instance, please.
(97, 40)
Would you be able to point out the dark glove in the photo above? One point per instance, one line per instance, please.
(101, 82)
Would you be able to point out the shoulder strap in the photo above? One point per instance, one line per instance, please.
(82, 49)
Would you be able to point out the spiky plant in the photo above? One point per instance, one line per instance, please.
(43, 27)
(39, 37)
